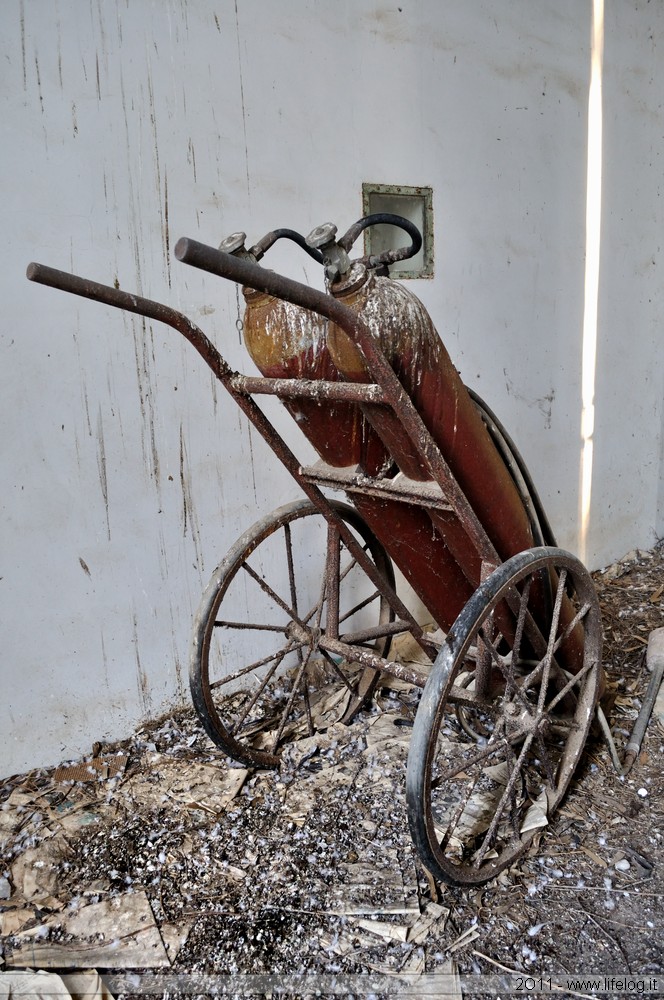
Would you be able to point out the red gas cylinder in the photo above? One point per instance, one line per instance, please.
(406, 334)
(287, 341)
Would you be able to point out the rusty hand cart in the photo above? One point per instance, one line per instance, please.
(512, 630)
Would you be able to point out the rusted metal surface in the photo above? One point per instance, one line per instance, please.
(289, 342)
(442, 566)
(286, 341)
(359, 654)
(424, 557)
(403, 328)
(301, 388)
(245, 273)
(355, 481)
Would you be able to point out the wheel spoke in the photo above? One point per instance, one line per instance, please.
(267, 589)
(291, 646)
(249, 626)
(289, 562)
(514, 813)
(576, 620)
(521, 619)
(465, 765)
(510, 683)
(493, 826)
(453, 822)
(359, 606)
(553, 631)
(261, 687)
(338, 671)
(343, 573)
(571, 683)
(289, 704)
(546, 758)
(307, 706)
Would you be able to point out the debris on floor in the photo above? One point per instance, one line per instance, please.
(47, 985)
(160, 853)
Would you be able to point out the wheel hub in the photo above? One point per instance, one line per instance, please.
(520, 722)
(307, 635)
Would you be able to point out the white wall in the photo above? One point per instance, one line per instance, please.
(126, 475)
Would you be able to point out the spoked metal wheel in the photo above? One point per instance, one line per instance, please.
(503, 718)
(258, 677)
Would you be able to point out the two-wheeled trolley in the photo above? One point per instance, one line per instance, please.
(430, 482)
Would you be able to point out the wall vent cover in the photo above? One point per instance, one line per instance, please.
(416, 205)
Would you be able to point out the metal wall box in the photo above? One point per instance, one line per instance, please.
(416, 205)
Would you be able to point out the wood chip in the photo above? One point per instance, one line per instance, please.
(464, 939)
(130, 938)
(433, 914)
(97, 769)
(593, 857)
(389, 932)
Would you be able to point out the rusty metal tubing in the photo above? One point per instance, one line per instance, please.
(245, 273)
(655, 662)
(359, 654)
(86, 288)
(300, 388)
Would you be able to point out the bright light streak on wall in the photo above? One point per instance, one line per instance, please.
(591, 284)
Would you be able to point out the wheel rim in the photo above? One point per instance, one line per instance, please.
(475, 803)
(260, 680)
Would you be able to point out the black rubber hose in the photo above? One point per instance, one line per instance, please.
(384, 218)
(260, 248)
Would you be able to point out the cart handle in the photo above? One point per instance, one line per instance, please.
(133, 303)
(88, 289)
